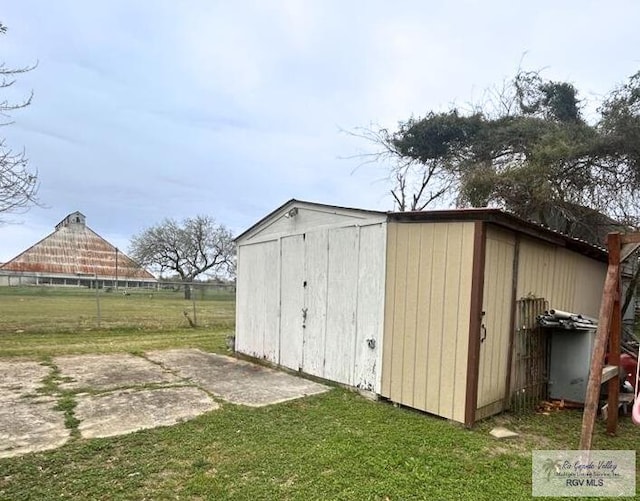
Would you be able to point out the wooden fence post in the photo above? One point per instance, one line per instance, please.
(609, 294)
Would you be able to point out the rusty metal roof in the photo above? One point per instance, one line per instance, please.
(75, 249)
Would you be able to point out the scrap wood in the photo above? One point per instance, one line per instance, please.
(546, 407)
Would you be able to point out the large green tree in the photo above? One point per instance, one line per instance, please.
(18, 183)
(527, 149)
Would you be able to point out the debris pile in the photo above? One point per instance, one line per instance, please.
(547, 407)
(556, 319)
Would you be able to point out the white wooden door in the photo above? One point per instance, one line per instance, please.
(291, 301)
(315, 302)
(342, 303)
(331, 298)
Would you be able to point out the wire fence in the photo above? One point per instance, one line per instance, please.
(38, 303)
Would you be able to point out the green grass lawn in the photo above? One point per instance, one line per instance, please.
(52, 309)
(337, 445)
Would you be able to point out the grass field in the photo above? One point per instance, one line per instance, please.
(74, 310)
(337, 445)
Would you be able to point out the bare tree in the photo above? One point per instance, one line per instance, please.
(18, 183)
(415, 185)
(190, 248)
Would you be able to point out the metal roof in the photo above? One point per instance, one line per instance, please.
(74, 249)
(505, 220)
(489, 215)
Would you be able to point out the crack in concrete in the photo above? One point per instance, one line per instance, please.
(45, 404)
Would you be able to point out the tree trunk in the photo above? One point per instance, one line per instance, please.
(187, 292)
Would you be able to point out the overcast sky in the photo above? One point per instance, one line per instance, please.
(150, 109)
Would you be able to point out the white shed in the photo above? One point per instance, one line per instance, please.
(310, 291)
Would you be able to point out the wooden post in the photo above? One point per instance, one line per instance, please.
(613, 388)
(597, 358)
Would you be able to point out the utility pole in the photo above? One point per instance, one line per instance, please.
(97, 300)
(116, 269)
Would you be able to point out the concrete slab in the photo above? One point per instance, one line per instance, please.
(500, 432)
(126, 411)
(30, 425)
(104, 372)
(21, 378)
(235, 380)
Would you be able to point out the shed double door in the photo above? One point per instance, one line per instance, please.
(318, 292)
(319, 306)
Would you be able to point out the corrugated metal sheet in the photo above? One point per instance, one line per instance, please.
(566, 279)
(74, 249)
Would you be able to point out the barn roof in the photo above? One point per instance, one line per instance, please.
(75, 249)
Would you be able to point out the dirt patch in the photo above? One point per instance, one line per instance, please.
(104, 372)
(235, 380)
(522, 445)
(121, 412)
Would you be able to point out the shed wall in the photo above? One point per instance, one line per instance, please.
(257, 299)
(567, 280)
(427, 309)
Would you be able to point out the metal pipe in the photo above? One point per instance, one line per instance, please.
(564, 315)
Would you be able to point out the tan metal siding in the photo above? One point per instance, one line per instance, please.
(436, 323)
(399, 313)
(496, 322)
(589, 284)
(567, 280)
(389, 308)
(428, 294)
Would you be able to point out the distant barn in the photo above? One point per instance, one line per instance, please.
(74, 255)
